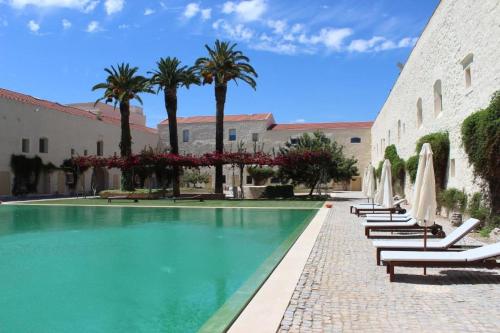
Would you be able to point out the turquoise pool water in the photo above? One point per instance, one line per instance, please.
(111, 269)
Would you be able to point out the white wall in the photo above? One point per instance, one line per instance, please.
(457, 29)
(64, 131)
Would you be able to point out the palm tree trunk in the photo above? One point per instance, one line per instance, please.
(220, 97)
(171, 105)
(126, 145)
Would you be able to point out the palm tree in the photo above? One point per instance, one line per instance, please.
(222, 65)
(123, 85)
(169, 76)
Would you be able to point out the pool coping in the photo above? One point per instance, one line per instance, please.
(265, 310)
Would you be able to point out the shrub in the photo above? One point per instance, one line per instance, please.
(26, 172)
(397, 168)
(278, 191)
(411, 167)
(378, 170)
(195, 177)
(481, 142)
(477, 209)
(453, 199)
(260, 174)
(440, 144)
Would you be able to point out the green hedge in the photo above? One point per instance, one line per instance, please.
(411, 167)
(278, 191)
(397, 169)
(440, 144)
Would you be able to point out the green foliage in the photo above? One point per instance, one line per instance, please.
(440, 144)
(397, 168)
(453, 199)
(278, 191)
(260, 174)
(26, 172)
(68, 165)
(378, 170)
(411, 167)
(481, 142)
(485, 231)
(335, 167)
(195, 177)
(477, 209)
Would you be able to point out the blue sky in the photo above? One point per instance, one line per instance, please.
(317, 60)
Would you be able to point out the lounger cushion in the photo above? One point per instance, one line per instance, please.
(409, 223)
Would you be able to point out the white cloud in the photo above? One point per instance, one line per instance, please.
(379, 43)
(276, 47)
(66, 24)
(299, 121)
(246, 10)
(331, 38)
(33, 26)
(93, 26)
(278, 26)
(113, 6)
(191, 10)
(123, 26)
(237, 32)
(149, 11)
(83, 5)
(206, 14)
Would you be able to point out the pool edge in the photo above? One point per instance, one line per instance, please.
(265, 310)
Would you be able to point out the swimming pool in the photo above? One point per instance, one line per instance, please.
(116, 269)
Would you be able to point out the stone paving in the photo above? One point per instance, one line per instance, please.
(342, 290)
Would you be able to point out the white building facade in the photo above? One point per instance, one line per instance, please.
(452, 71)
(34, 127)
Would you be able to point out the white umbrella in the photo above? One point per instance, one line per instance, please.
(425, 209)
(383, 196)
(370, 183)
(363, 186)
(419, 179)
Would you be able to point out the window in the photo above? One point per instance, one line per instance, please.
(25, 145)
(43, 145)
(389, 137)
(452, 167)
(466, 64)
(85, 152)
(399, 130)
(419, 113)
(223, 179)
(355, 140)
(249, 179)
(294, 140)
(232, 134)
(100, 148)
(255, 137)
(185, 135)
(72, 151)
(438, 98)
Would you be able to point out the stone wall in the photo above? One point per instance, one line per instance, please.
(462, 37)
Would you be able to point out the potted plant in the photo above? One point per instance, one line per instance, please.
(260, 174)
(455, 202)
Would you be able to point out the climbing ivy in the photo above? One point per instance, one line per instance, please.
(481, 142)
(440, 145)
(397, 168)
(26, 172)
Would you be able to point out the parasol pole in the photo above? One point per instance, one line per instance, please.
(425, 244)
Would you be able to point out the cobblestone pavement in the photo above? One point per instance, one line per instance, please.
(342, 290)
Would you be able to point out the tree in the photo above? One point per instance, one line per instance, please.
(315, 159)
(222, 65)
(169, 76)
(123, 85)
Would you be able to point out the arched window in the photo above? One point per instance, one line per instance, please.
(100, 148)
(399, 130)
(355, 140)
(419, 113)
(466, 64)
(438, 98)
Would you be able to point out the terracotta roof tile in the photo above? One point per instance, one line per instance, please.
(27, 99)
(319, 126)
(227, 118)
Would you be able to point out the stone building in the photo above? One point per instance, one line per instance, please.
(55, 132)
(452, 71)
(260, 132)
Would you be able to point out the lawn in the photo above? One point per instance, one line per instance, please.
(297, 203)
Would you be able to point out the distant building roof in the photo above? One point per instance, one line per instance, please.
(319, 126)
(136, 114)
(27, 99)
(227, 118)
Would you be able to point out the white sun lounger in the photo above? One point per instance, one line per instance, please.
(371, 208)
(481, 257)
(432, 244)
